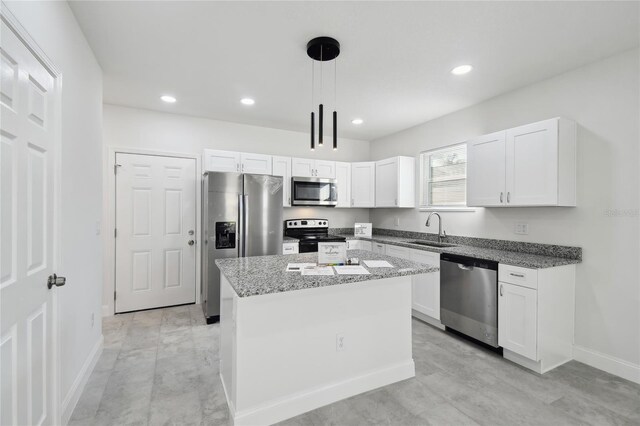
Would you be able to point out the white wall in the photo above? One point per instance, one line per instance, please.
(603, 99)
(53, 26)
(126, 127)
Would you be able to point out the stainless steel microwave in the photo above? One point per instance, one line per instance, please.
(310, 191)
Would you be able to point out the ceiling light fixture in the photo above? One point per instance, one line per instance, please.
(168, 99)
(247, 101)
(357, 121)
(462, 69)
(322, 49)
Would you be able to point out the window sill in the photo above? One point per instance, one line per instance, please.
(447, 209)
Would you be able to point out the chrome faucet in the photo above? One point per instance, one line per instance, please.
(441, 234)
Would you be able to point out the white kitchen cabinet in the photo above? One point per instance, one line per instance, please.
(306, 167)
(257, 164)
(395, 182)
(343, 183)
(290, 248)
(379, 248)
(426, 287)
(363, 181)
(240, 162)
(530, 165)
(486, 170)
(517, 325)
(536, 315)
(221, 161)
(282, 167)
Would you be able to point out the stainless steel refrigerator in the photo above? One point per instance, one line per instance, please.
(241, 216)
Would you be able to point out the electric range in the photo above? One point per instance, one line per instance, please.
(309, 233)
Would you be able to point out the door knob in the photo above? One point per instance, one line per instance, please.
(55, 280)
(191, 242)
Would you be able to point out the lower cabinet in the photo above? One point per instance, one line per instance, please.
(536, 315)
(517, 327)
(290, 248)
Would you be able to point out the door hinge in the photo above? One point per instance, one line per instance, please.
(115, 232)
(115, 168)
(114, 295)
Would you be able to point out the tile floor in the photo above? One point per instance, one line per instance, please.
(160, 367)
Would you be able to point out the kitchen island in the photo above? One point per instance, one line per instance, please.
(291, 343)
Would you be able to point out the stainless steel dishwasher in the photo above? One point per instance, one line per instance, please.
(469, 297)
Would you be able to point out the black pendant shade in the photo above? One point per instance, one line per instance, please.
(323, 49)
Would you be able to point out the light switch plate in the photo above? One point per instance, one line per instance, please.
(521, 228)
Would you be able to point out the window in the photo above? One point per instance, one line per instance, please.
(443, 177)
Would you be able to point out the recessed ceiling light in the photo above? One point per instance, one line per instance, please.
(462, 69)
(168, 99)
(247, 101)
(357, 121)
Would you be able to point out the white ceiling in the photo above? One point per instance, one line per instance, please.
(393, 70)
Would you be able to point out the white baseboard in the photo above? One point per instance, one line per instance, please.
(106, 311)
(303, 402)
(70, 401)
(608, 363)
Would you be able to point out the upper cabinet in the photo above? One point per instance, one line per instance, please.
(395, 182)
(239, 162)
(363, 179)
(305, 167)
(282, 167)
(531, 165)
(343, 184)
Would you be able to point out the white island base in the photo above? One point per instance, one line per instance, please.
(284, 354)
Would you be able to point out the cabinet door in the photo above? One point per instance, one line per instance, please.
(303, 167)
(363, 184)
(221, 161)
(282, 167)
(258, 164)
(325, 169)
(387, 183)
(532, 164)
(518, 319)
(343, 178)
(426, 287)
(395, 251)
(379, 248)
(486, 171)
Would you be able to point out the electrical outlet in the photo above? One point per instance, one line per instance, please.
(521, 228)
(397, 221)
(93, 319)
(340, 342)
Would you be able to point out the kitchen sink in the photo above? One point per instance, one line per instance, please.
(433, 244)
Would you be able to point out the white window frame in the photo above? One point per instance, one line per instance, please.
(425, 204)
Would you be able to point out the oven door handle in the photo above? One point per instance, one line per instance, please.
(465, 267)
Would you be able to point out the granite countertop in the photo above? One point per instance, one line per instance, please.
(287, 239)
(253, 276)
(509, 257)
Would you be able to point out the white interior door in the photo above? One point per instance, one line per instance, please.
(156, 231)
(28, 119)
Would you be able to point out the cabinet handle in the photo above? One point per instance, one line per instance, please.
(508, 197)
(395, 201)
(237, 167)
(516, 275)
(352, 202)
(501, 197)
(500, 289)
(243, 167)
(289, 200)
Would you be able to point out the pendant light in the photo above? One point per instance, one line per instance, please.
(322, 49)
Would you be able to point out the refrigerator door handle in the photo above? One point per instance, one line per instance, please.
(240, 234)
(245, 225)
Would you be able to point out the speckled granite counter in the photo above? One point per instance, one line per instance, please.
(252, 276)
(509, 257)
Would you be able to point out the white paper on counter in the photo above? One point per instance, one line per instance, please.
(318, 270)
(351, 270)
(298, 267)
(377, 264)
